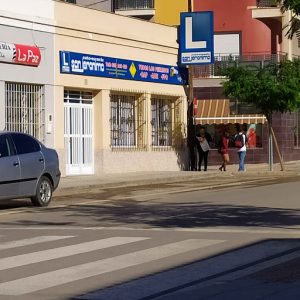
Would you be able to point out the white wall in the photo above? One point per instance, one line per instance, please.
(38, 8)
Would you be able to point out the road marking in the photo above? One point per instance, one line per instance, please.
(225, 267)
(32, 241)
(257, 230)
(51, 279)
(45, 255)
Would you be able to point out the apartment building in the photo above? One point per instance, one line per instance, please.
(159, 11)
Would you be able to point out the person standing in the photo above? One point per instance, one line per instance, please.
(223, 150)
(203, 139)
(240, 143)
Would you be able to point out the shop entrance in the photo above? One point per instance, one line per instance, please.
(78, 135)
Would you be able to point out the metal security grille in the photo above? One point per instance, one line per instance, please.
(78, 125)
(161, 122)
(25, 109)
(133, 4)
(166, 122)
(127, 113)
(266, 3)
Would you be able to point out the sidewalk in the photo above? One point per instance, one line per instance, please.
(74, 184)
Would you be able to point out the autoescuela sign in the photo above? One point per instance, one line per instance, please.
(20, 54)
(102, 66)
(196, 43)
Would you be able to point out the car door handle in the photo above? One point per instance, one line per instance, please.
(16, 163)
(41, 159)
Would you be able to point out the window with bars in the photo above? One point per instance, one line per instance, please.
(128, 120)
(166, 122)
(161, 122)
(25, 109)
(297, 129)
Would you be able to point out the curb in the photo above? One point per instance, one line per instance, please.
(195, 176)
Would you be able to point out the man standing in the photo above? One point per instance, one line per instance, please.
(240, 143)
(203, 139)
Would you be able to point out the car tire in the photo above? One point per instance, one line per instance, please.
(43, 194)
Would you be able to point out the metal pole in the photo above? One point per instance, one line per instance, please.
(190, 5)
(191, 125)
(271, 160)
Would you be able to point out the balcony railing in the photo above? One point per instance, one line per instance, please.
(253, 60)
(133, 4)
(267, 3)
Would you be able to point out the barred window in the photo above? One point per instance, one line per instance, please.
(166, 121)
(161, 122)
(25, 109)
(127, 120)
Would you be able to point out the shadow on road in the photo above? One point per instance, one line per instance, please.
(163, 215)
(268, 269)
(188, 215)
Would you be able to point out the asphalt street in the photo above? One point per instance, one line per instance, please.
(168, 241)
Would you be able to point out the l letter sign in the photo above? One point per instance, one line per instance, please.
(196, 38)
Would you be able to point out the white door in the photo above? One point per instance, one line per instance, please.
(78, 115)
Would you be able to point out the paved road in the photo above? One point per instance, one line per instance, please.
(167, 242)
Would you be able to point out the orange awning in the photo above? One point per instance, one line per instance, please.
(217, 111)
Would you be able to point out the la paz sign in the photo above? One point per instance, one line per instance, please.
(20, 54)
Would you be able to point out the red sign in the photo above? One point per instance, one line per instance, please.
(20, 54)
(27, 55)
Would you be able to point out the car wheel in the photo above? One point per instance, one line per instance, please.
(43, 193)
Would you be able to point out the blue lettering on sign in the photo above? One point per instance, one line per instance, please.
(102, 66)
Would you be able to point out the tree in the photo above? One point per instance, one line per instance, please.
(273, 88)
(294, 7)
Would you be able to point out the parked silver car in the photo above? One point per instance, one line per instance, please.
(27, 168)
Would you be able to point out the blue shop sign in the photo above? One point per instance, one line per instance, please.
(109, 67)
(196, 43)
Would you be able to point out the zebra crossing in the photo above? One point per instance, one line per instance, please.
(50, 267)
(88, 264)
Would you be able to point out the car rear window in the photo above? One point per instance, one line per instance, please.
(25, 144)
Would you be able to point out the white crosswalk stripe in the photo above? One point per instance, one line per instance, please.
(45, 280)
(32, 241)
(51, 277)
(40, 256)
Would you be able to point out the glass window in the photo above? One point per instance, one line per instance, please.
(253, 132)
(123, 120)
(161, 122)
(4, 146)
(25, 144)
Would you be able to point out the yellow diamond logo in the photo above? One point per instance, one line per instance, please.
(132, 70)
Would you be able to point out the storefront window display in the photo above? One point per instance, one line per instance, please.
(253, 132)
